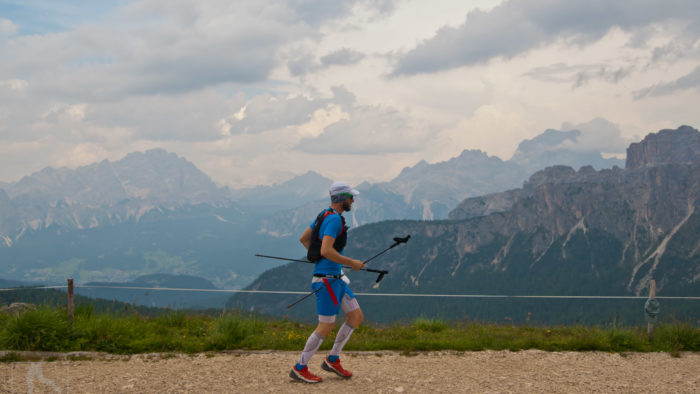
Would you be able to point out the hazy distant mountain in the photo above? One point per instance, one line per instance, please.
(437, 188)
(554, 147)
(287, 195)
(566, 232)
(155, 176)
(104, 193)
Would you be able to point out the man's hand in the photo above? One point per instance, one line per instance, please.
(357, 264)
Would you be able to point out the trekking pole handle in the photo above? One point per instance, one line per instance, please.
(397, 241)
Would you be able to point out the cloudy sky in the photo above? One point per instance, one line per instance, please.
(256, 91)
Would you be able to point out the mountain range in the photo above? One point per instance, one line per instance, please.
(430, 191)
(155, 213)
(565, 232)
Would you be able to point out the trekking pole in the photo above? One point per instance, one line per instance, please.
(304, 297)
(311, 262)
(397, 241)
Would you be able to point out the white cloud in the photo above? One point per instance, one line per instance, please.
(157, 47)
(7, 28)
(370, 130)
(65, 112)
(579, 75)
(597, 135)
(516, 27)
(82, 154)
(688, 81)
(494, 128)
(190, 117)
(321, 119)
(304, 62)
(253, 91)
(266, 112)
(14, 84)
(342, 57)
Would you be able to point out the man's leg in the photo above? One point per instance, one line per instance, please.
(327, 309)
(300, 370)
(354, 319)
(315, 340)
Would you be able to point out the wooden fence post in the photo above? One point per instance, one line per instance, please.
(70, 301)
(652, 295)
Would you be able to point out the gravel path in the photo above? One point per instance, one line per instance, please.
(375, 372)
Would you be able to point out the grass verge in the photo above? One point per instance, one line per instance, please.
(47, 329)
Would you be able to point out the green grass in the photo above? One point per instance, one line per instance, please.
(48, 329)
(42, 329)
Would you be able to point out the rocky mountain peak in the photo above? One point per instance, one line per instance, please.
(296, 191)
(103, 193)
(161, 175)
(155, 175)
(667, 146)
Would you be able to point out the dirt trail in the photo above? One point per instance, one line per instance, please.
(375, 372)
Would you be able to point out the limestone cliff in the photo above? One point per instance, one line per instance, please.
(667, 146)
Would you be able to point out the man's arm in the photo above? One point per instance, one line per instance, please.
(331, 254)
(306, 238)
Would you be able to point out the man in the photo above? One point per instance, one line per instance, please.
(325, 240)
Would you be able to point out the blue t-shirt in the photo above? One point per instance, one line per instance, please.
(331, 226)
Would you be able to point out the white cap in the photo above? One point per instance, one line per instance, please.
(342, 188)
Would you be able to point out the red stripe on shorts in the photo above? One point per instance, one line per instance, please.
(330, 291)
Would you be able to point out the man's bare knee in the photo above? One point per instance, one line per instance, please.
(355, 318)
(323, 329)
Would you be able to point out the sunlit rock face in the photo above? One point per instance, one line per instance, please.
(667, 146)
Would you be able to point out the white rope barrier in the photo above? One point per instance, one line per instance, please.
(359, 294)
(32, 288)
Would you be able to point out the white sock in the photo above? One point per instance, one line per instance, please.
(312, 345)
(342, 338)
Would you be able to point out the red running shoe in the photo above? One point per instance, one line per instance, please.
(336, 368)
(304, 375)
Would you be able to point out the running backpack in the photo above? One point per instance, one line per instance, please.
(314, 253)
